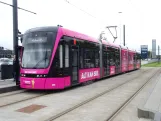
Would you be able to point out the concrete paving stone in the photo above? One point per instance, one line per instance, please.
(60, 101)
(104, 106)
(154, 99)
(17, 97)
(151, 108)
(8, 85)
(9, 88)
(6, 82)
(11, 93)
(144, 119)
(130, 112)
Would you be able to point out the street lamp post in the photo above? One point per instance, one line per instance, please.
(15, 42)
(120, 27)
(124, 34)
(15, 39)
(16, 34)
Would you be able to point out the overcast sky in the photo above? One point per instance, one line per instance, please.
(141, 18)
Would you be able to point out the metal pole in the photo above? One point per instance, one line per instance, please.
(15, 41)
(158, 54)
(120, 28)
(101, 63)
(158, 49)
(124, 33)
(17, 7)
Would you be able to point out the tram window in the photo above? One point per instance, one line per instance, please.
(129, 57)
(56, 59)
(108, 57)
(89, 58)
(97, 58)
(86, 59)
(134, 57)
(112, 61)
(105, 59)
(61, 56)
(137, 56)
(117, 59)
(66, 55)
(81, 58)
(92, 59)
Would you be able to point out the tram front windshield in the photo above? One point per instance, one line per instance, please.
(37, 49)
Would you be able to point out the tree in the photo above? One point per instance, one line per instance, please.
(149, 54)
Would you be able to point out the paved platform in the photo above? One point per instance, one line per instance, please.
(7, 85)
(151, 109)
(144, 119)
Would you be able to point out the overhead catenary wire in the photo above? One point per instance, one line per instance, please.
(17, 7)
(80, 9)
(91, 16)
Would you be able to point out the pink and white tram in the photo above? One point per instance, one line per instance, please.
(56, 58)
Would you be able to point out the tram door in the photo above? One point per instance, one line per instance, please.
(74, 63)
(106, 63)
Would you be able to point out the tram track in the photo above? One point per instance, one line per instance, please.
(7, 99)
(93, 98)
(116, 113)
(11, 93)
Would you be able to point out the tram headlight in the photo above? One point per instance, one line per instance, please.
(23, 75)
(34, 76)
(41, 75)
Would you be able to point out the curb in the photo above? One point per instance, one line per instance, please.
(9, 89)
(143, 113)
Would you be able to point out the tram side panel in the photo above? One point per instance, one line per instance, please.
(124, 60)
(138, 59)
(130, 60)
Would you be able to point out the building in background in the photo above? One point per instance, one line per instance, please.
(144, 51)
(5, 53)
(154, 48)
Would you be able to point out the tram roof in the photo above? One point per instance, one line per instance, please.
(65, 31)
(78, 35)
(110, 44)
